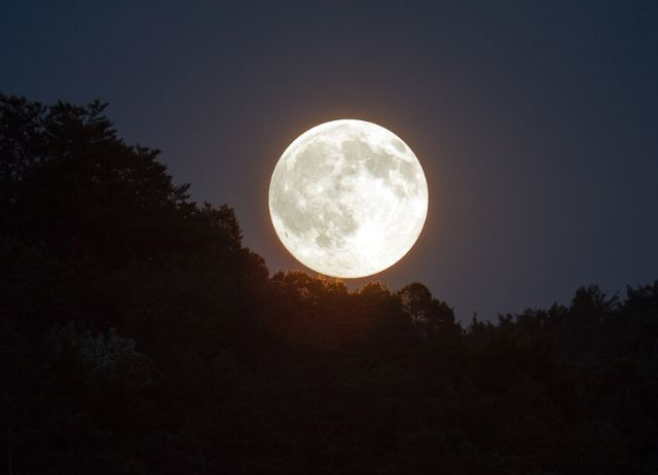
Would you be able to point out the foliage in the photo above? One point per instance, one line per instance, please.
(138, 335)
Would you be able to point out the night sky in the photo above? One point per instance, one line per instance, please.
(536, 122)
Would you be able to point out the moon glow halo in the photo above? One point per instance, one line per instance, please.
(348, 198)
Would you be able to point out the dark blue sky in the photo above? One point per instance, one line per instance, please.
(536, 122)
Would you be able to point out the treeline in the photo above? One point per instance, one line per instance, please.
(139, 336)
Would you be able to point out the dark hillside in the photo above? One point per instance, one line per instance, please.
(139, 336)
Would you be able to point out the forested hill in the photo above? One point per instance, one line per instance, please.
(139, 336)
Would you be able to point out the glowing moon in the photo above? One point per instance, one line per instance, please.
(348, 198)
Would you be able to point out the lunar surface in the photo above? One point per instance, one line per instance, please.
(348, 198)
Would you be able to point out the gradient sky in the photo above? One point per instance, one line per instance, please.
(536, 122)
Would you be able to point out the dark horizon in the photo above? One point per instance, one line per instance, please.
(138, 335)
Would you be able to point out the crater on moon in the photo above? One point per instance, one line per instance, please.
(348, 198)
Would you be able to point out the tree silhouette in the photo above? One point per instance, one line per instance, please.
(426, 312)
(138, 335)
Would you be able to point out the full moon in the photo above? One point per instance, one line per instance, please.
(348, 198)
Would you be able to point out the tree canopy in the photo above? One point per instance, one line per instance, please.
(138, 335)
